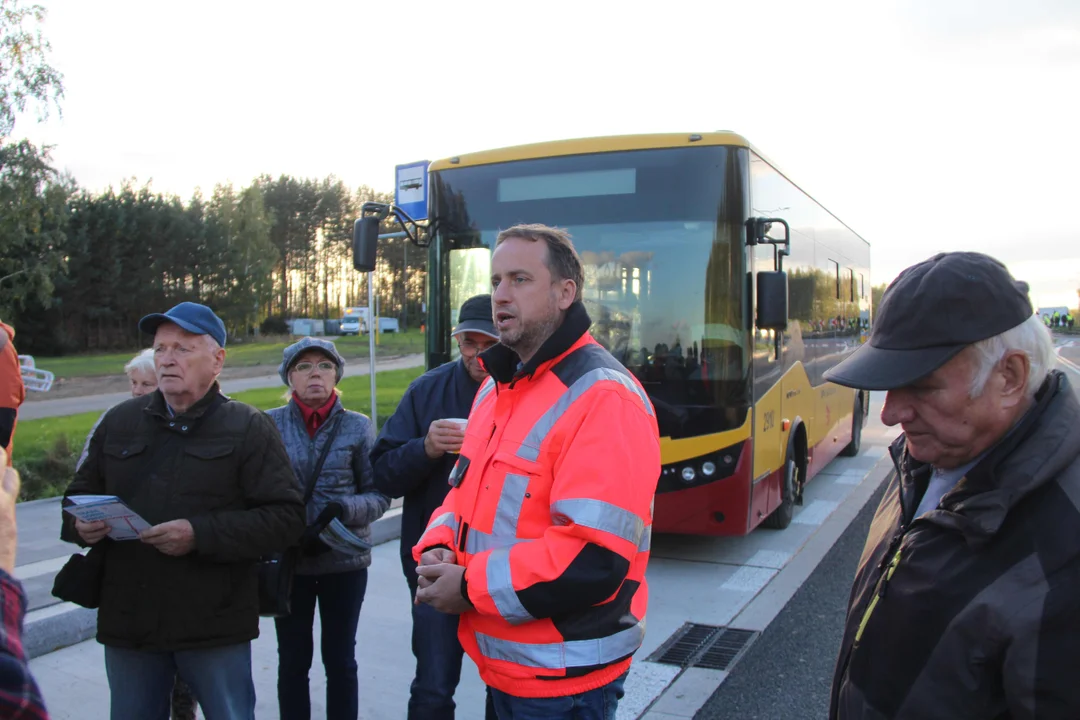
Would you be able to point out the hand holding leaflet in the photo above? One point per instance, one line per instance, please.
(124, 523)
(338, 537)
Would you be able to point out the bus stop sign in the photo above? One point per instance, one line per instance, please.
(411, 189)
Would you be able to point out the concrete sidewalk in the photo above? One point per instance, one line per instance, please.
(74, 405)
(75, 687)
(740, 582)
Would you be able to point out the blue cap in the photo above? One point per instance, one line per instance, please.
(291, 353)
(193, 317)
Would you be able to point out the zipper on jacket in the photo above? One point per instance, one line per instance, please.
(889, 561)
(879, 594)
(886, 567)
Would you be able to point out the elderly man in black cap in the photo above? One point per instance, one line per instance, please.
(211, 477)
(966, 603)
(413, 457)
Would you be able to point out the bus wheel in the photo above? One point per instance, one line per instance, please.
(857, 419)
(781, 516)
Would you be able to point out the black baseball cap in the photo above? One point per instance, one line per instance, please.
(193, 317)
(930, 313)
(475, 316)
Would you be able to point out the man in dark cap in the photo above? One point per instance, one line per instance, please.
(413, 457)
(211, 477)
(965, 603)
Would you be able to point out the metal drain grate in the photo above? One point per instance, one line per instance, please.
(726, 649)
(685, 645)
(705, 646)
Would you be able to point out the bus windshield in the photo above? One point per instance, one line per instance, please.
(660, 236)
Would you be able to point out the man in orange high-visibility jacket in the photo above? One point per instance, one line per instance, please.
(542, 542)
(12, 391)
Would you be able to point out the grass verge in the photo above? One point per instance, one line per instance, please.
(46, 450)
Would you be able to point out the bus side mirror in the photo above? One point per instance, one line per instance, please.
(365, 243)
(772, 300)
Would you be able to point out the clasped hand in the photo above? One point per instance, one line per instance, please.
(439, 584)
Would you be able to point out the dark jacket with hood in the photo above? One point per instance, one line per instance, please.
(222, 466)
(402, 468)
(972, 610)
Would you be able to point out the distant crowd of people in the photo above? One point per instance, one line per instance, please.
(527, 469)
(1058, 320)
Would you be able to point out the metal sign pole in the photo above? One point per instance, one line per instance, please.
(371, 341)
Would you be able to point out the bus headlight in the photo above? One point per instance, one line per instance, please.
(708, 468)
(688, 474)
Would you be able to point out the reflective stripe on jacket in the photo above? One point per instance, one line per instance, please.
(550, 513)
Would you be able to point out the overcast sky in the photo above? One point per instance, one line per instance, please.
(926, 125)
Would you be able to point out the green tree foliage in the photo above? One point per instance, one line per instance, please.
(25, 75)
(32, 196)
(277, 248)
(239, 284)
(32, 210)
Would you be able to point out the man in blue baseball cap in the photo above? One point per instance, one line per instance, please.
(212, 478)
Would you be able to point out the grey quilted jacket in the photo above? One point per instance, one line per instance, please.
(346, 477)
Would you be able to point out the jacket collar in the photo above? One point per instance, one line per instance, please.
(158, 407)
(1030, 456)
(325, 412)
(502, 362)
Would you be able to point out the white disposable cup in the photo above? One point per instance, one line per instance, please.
(460, 422)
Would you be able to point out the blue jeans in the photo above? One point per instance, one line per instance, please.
(598, 704)
(141, 683)
(339, 596)
(438, 665)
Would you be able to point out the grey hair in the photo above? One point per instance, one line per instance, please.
(1030, 337)
(143, 361)
(211, 343)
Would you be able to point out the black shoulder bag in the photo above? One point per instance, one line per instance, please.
(276, 569)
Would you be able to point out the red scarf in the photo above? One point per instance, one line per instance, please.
(314, 417)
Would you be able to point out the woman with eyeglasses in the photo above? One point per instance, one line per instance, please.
(314, 424)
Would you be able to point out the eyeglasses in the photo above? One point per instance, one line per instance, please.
(306, 367)
(469, 348)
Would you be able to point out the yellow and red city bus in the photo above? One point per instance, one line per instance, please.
(677, 253)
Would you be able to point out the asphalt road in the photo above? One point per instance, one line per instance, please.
(74, 405)
(1068, 350)
(787, 673)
